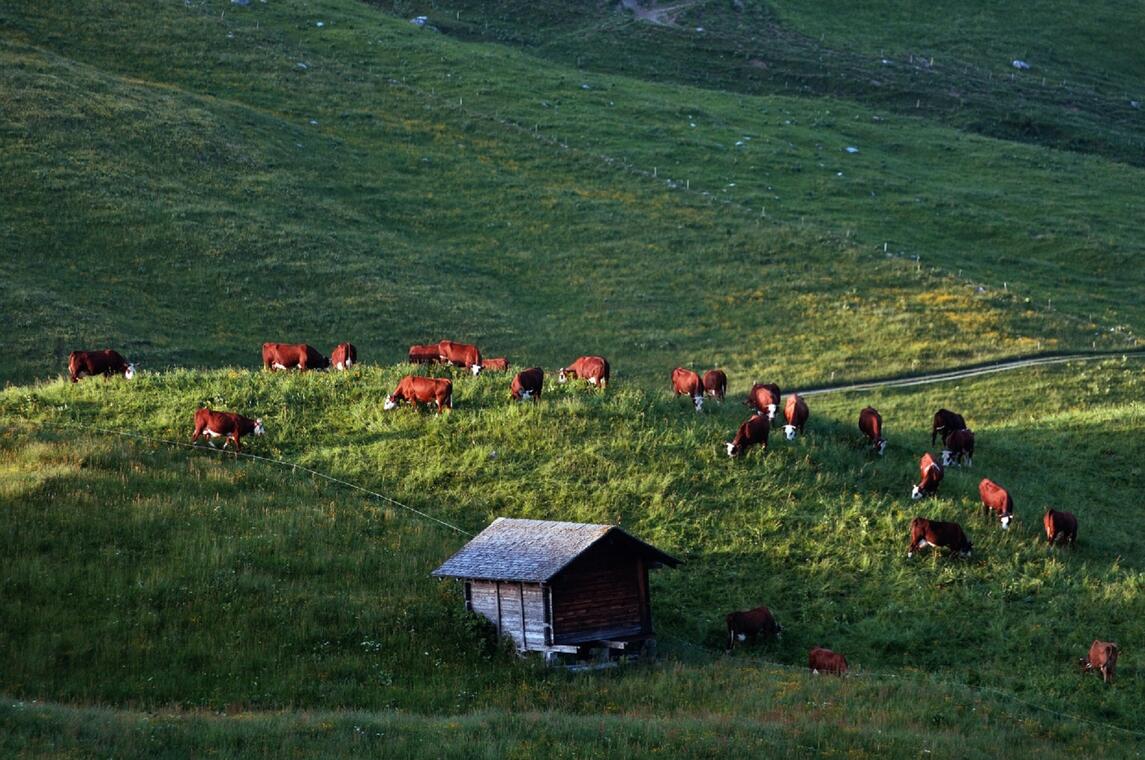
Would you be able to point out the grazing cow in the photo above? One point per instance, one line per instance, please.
(715, 384)
(416, 389)
(225, 425)
(593, 369)
(750, 625)
(752, 432)
(796, 414)
(997, 499)
(460, 355)
(527, 384)
(1102, 657)
(924, 533)
(764, 399)
(290, 355)
(945, 423)
(820, 660)
(106, 362)
(424, 354)
(1061, 527)
(687, 381)
(871, 425)
(958, 447)
(497, 364)
(344, 356)
(930, 473)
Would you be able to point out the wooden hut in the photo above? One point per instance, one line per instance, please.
(559, 586)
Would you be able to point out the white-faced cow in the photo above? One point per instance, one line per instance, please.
(1061, 527)
(821, 660)
(716, 384)
(924, 533)
(764, 399)
(226, 425)
(930, 475)
(592, 369)
(752, 432)
(751, 624)
(496, 364)
(91, 363)
(1102, 658)
(945, 423)
(795, 411)
(344, 356)
(424, 354)
(687, 381)
(958, 447)
(291, 355)
(415, 389)
(871, 425)
(527, 384)
(997, 499)
(460, 355)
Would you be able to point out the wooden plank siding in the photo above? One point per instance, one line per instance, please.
(602, 590)
(517, 609)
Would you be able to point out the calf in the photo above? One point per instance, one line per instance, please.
(498, 364)
(460, 355)
(416, 389)
(751, 433)
(527, 384)
(764, 399)
(820, 660)
(715, 384)
(945, 423)
(958, 447)
(424, 354)
(930, 473)
(687, 381)
(1061, 527)
(796, 414)
(750, 625)
(226, 425)
(344, 356)
(1102, 657)
(106, 362)
(871, 425)
(997, 499)
(924, 533)
(592, 369)
(290, 355)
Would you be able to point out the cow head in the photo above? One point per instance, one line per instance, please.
(130, 371)
(789, 431)
(947, 457)
(733, 448)
(917, 493)
(258, 428)
(1006, 521)
(525, 395)
(563, 376)
(881, 446)
(475, 369)
(391, 402)
(771, 411)
(698, 401)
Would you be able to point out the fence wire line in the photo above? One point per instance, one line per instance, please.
(279, 462)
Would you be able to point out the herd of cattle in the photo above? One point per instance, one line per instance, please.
(763, 398)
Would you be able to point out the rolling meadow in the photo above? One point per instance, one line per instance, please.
(185, 180)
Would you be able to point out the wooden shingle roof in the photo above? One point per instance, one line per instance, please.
(533, 551)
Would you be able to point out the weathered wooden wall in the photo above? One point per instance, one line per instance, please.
(602, 590)
(484, 596)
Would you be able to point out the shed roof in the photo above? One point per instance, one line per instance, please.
(534, 551)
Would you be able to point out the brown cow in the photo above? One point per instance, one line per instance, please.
(997, 499)
(593, 369)
(1102, 657)
(958, 447)
(1061, 527)
(946, 422)
(871, 425)
(820, 660)
(290, 355)
(796, 414)
(424, 354)
(930, 473)
(687, 381)
(764, 399)
(715, 384)
(497, 364)
(416, 389)
(527, 384)
(752, 432)
(106, 362)
(924, 533)
(225, 425)
(751, 624)
(344, 356)
(460, 355)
